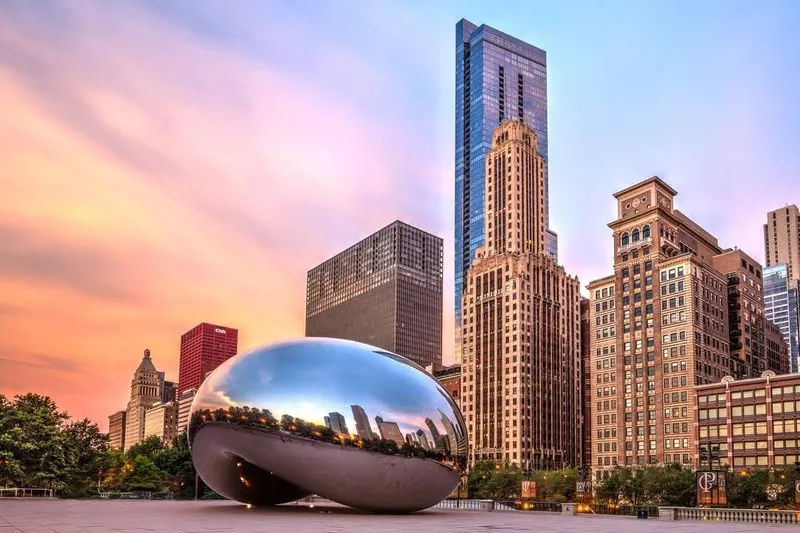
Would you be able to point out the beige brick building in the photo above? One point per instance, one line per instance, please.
(116, 430)
(782, 239)
(660, 328)
(603, 368)
(146, 388)
(520, 357)
(161, 420)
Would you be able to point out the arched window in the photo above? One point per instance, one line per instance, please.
(646, 231)
(635, 235)
(625, 239)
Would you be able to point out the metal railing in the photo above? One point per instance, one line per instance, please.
(543, 507)
(475, 505)
(622, 510)
(137, 495)
(25, 492)
(761, 516)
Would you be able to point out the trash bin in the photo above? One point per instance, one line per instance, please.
(641, 513)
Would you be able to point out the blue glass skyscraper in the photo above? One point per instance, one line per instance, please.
(497, 77)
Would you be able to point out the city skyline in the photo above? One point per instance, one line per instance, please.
(141, 239)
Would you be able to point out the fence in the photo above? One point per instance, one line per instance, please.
(19, 492)
(620, 510)
(137, 495)
(761, 516)
(473, 505)
(543, 507)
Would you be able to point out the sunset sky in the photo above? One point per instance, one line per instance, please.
(165, 162)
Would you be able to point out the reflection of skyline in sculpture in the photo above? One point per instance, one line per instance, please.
(423, 440)
(363, 429)
(452, 441)
(337, 423)
(439, 442)
(389, 430)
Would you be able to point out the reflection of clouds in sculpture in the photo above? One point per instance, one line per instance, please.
(312, 390)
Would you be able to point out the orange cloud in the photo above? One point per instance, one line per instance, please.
(153, 181)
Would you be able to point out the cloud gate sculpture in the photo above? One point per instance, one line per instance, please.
(346, 421)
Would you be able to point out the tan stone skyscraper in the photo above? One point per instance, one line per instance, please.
(145, 392)
(520, 357)
(661, 327)
(782, 239)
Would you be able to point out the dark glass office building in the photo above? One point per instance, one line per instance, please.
(497, 77)
(385, 291)
(781, 306)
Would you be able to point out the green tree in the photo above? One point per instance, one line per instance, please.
(141, 473)
(149, 447)
(556, 485)
(495, 481)
(30, 432)
(176, 462)
(669, 485)
(623, 485)
(749, 490)
(11, 473)
(85, 448)
(112, 464)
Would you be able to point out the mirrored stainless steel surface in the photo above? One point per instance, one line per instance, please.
(346, 421)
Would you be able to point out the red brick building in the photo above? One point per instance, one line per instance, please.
(449, 377)
(754, 422)
(204, 348)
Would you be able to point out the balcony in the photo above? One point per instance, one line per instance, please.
(630, 246)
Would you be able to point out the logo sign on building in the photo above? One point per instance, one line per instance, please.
(583, 488)
(528, 490)
(797, 492)
(711, 487)
(220, 330)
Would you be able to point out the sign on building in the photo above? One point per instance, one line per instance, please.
(711, 487)
(583, 489)
(528, 490)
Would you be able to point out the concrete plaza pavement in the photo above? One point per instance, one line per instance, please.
(100, 516)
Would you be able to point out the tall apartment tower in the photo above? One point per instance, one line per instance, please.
(782, 308)
(782, 239)
(116, 430)
(746, 326)
(204, 348)
(385, 291)
(161, 420)
(601, 416)
(521, 321)
(497, 77)
(661, 327)
(586, 385)
(146, 388)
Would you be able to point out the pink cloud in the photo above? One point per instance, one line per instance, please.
(206, 181)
